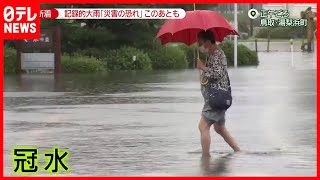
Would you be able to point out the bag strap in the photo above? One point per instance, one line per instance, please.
(228, 79)
(207, 57)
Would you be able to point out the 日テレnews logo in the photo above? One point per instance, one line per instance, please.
(19, 20)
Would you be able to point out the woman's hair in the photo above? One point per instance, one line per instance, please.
(207, 35)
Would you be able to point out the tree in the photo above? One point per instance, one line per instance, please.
(111, 34)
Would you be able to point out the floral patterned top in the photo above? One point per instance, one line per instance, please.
(216, 72)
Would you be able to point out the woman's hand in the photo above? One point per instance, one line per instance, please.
(200, 65)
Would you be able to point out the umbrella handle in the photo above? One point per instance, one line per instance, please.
(200, 71)
(198, 57)
(198, 54)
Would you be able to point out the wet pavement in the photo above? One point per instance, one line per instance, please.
(145, 123)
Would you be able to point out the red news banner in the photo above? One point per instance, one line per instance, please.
(86, 13)
(23, 22)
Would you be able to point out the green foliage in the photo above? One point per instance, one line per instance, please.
(10, 60)
(76, 39)
(281, 32)
(115, 42)
(122, 59)
(245, 55)
(263, 33)
(191, 54)
(110, 34)
(80, 64)
(168, 57)
(243, 21)
(10, 44)
(94, 52)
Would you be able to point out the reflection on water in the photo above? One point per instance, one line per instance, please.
(145, 123)
(215, 167)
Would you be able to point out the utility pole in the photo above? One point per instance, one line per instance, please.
(235, 45)
(251, 23)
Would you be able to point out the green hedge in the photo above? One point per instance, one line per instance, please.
(81, 64)
(70, 64)
(94, 52)
(157, 57)
(168, 57)
(281, 32)
(246, 56)
(160, 57)
(10, 60)
(191, 53)
(122, 59)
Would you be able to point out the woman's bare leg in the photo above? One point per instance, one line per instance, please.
(222, 130)
(204, 128)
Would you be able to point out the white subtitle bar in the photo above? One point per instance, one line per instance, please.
(86, 13)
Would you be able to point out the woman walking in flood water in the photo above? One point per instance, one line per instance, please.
(214, 72)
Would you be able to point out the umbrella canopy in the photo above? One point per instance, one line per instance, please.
(185, 30)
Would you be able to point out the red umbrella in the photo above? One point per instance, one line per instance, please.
(185, 30)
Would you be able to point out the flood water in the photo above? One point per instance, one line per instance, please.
(145, 123)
